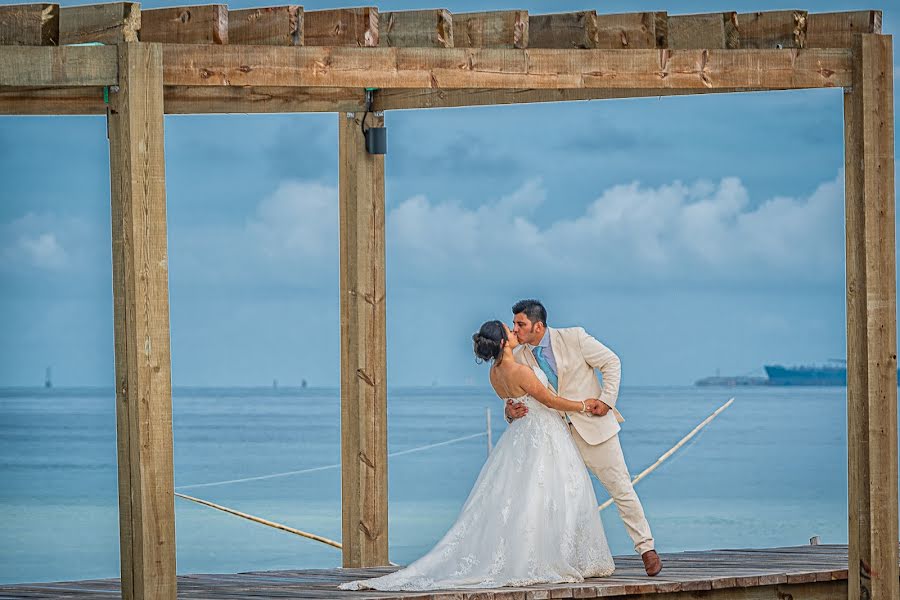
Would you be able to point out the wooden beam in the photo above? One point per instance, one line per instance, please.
(499, 29)
(363, 349)
(110, 23)
(203, 24)
(774, 29)
(563, 30)
(411, 28)
(429, 98)
(205, 100)
(269, 26)
(52, 101)
(224, 100)
(632, 30)
(66, 66)
(29, 24)
(837, 30)
(711, 30)
(349, 27)
(186, 100)
(871, 321)
(504, 69)
(141, 319)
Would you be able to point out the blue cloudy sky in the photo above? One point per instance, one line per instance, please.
(689, 234)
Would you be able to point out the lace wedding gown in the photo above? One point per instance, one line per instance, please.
(530, 518)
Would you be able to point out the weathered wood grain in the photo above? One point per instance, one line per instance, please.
(29, 24)
(871, 321)
(563, 30)
(201, 24)
(632, 30)
(141, 317)
(409, 28)
(774, 29)
(505, 69)
(499, 29)
(50, 66)
(836, 30)
(748, 574)
(109, 23)
(364, 462)
(711, 30)
(267, 26)
(351, 27)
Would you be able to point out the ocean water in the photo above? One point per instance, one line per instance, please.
(770, 470)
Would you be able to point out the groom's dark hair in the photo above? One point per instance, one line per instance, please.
(533, 309)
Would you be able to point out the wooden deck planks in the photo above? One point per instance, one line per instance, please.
(815, 570)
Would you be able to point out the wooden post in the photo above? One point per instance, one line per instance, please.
(871, 322)
(363, 348)
(141, 318)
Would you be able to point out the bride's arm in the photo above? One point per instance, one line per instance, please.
(537, 390)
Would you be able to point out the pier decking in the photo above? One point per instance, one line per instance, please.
(800, 572)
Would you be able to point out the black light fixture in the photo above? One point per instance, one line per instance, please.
(376, 137)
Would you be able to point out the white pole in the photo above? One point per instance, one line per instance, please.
(490, 439)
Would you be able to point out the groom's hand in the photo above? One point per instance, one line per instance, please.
(600, 408)
(515, 410)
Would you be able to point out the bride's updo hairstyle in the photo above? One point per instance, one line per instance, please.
(489, 341)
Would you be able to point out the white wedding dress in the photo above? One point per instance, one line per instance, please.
(530, 518)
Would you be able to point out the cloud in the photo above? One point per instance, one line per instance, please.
(700, 233)
(703, 232)
(48, 242)
(290, 240)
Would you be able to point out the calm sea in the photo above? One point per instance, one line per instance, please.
(770, 470)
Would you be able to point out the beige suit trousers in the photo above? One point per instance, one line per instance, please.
(608, 463)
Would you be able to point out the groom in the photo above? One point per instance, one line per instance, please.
(568, 357)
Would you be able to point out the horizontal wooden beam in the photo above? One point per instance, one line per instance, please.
(429, 98)
(186, 100)
(29, 24)
(249, 100)
(51, 66)
(194, 65)
(109, 23)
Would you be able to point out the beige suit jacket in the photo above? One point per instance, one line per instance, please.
(577, 354)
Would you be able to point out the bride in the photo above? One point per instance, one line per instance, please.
(532, 515)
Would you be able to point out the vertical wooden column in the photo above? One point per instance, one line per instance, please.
(141, 314)
(871, 322)
(363, 348)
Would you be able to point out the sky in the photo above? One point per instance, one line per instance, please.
(692, 235)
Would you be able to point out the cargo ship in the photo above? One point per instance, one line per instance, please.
(832, 374)
(829, 374)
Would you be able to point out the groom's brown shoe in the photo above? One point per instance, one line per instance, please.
(652, 564)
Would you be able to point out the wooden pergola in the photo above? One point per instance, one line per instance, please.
(137, 65)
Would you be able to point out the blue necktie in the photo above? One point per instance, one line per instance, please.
(544, 364)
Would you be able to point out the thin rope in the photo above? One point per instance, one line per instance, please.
(326, 467)
(262, 521)
(673, 449)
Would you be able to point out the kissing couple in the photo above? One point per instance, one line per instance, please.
(532, 515)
